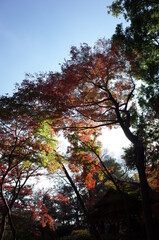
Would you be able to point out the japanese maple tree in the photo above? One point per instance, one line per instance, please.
(103, 96)
(95, 89)
(23, 150)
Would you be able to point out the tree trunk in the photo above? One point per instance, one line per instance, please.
(3, 223)
(140, 164)
(93, 228)
(111, 178)
(144, 190)
(8, 213)
(11, 226)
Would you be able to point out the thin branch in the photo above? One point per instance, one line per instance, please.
(129, 96)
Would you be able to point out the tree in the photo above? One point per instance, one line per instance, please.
(99, 91)
(140, 39)
(81, 157)
(101, 95)
(92, 227)
(105, 89)
(40, 210)
(23, 150)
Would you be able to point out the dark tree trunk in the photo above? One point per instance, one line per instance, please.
(140, 163)
(92, 226)
(3, 223)
(8, 213)
(11, 225)
(127, 212)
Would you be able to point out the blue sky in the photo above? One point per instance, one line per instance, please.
(36, 35)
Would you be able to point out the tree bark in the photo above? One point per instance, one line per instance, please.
(93, 228)
(140, 164)
(144, 190)
(3, 223)
(12, 226)
(8, 213)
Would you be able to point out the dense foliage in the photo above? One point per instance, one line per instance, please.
(113, 84)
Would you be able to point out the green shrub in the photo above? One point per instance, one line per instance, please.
(79, 234)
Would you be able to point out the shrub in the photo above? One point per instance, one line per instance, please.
(79, 234)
